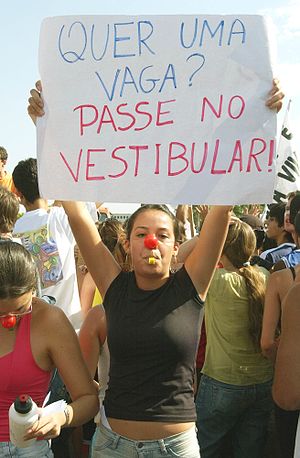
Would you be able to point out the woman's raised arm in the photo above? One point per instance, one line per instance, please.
(202, 261)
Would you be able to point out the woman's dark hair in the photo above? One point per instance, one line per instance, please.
(277, 211)
(239, 247)
(294, 207)
(143, 208)
(17, 270)
(297, 224)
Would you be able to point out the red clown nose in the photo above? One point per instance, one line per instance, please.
(150, 242)
(8, 321)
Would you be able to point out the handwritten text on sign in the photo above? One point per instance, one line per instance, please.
(156, 109)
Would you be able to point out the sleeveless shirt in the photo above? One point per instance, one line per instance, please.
(19, 374)
(153, 338)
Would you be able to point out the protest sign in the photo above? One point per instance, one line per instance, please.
(156, 109)
(287, 165)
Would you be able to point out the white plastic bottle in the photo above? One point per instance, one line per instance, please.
(22, 414)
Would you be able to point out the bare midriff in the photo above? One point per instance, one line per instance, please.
(147, 430)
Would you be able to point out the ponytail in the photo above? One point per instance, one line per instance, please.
(255, 286)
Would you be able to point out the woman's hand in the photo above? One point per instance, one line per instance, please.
(36, 104)
(274, 102)
(46, 427)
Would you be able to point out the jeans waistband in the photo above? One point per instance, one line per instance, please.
(161, 443)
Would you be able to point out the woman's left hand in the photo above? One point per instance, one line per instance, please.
(46, 427)
(274, 102)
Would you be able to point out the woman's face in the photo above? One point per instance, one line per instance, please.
(16, 306)
(288, 226)
(273, 230)
(159, 224)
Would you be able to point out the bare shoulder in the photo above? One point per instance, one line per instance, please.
(281, 278)
(48, 317)
(51, 334)
(95, 322)
(291, 304)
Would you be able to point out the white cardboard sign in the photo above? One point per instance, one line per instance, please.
(165, 109)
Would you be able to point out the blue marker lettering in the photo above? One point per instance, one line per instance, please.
(151, 80)
(110, 95)
(72, 56)
(172, 77)
(118, 39)
(129, 81)
(142, 40)
(212, 34)
(92, 43)
(242, 31)
(194, 37)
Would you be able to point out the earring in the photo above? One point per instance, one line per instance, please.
(173, 266)
(128, 263)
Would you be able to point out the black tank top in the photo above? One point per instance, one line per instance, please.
(153, 338)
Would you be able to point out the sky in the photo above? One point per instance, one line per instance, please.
(19, 37)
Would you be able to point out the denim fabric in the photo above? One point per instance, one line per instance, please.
(41, 449)
(286, 422)
(107, 444)
(60, 445)
(242, 411)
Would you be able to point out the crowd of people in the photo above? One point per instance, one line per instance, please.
(113, 326)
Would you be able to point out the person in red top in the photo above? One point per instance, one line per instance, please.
(36, 337)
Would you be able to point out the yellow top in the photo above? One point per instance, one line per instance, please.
(231, 357)
(97, 298)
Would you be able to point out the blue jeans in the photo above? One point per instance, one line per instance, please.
(107, 444)
(41, 449)
(60, 444)
(241, 411)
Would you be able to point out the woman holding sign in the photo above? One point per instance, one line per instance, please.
(153, 320)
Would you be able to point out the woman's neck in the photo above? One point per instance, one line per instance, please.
(150, 284)
(227, 264)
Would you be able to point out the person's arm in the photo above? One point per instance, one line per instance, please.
(87, 293)
(92, 336)
(100, 262)
(64, 352)
(202, 261)
(271, 318)
(286, 386)
(185, 249)
(182, 213)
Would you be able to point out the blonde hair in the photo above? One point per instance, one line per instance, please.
(239, 247)
(9, 209)
(113, 236)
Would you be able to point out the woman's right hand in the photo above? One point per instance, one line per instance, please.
(35, 108)
(47, 427)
